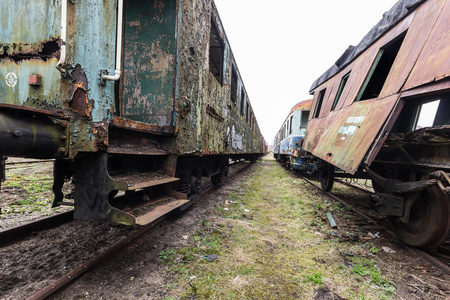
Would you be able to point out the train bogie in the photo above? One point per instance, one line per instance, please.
(382, 112)
(125, 95)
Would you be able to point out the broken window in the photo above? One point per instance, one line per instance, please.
(423, 112)
(341, 88)
(216, 53)
(246, 113)
(290, 125)
(304, 122)
(380, 69)
(242, 102)
(319, 103)
(233, 85)
(426, 114)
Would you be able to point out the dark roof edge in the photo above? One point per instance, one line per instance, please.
(390, 18)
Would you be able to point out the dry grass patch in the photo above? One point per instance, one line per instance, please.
(274, 243)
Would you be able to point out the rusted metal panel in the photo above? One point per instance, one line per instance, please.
(434, 63)
(78, 93)
(361, 69)
(420, 24)
(328, 98)
(344, 138)
(149, 61)
(142, 127)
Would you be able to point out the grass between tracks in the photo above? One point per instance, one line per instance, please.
(26, 191)
(273, 241)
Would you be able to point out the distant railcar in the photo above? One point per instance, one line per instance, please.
(124, 95)
(383, 112)
(289, 139)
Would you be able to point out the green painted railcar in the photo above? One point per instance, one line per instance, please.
(124, 95)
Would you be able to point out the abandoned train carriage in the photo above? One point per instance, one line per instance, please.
(383, 112)
(125, 95)
(289, 139)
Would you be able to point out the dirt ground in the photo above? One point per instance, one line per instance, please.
(138, 272)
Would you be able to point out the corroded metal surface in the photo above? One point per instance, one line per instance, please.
(346, 136)
(208, 119)
(433, 63)
(142, 127)
(149, 61)
(421, 59)
(167, 102)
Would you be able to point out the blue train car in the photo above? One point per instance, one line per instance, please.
(289, 139)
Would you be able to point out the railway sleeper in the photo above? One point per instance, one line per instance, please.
(148, 193)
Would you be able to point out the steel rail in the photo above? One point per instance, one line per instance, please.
(11, 234)
(417, 251)
(60, 283)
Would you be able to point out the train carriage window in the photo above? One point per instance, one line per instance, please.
(426, 114)
(247, 113)
(319, 103)
(423, 112)
(216, 53)
(242, 102)
(233, 85)
(304, 122)
(290, 124)
(341, 88)
(380, 69)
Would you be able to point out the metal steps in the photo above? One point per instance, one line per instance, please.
(161, 199)
(142, 180)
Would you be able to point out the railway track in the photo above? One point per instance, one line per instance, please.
(439, 257)
(133, 236)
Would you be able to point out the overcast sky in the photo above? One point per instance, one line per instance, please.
(281, 47)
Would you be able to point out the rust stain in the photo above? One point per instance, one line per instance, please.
(142, 127)
(18, 52)
(212, 112)
(185, 108)
(79, 101)
(100, 132)
(344, 138)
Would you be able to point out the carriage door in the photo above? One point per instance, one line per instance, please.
(149, 48)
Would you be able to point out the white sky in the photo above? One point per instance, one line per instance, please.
(281, 47)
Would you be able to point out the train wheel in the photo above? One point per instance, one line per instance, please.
(221, 176)
(327, 178)
(429, 220)
(194, 182)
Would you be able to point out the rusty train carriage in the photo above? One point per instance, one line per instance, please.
(367, 114)
(125, 95)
